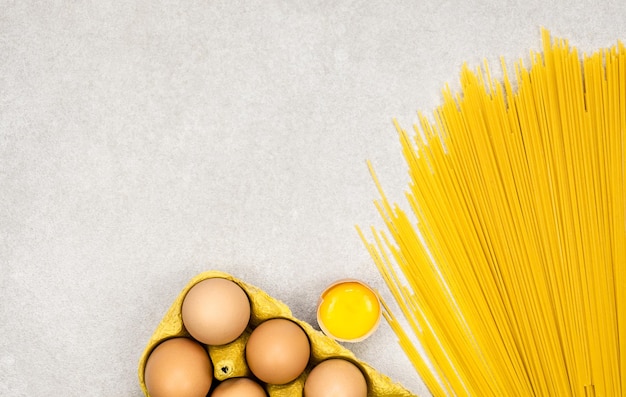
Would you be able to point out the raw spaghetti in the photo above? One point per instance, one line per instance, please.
(512, 276)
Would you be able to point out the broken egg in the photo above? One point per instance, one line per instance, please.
(348, 311)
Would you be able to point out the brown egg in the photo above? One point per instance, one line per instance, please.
(278, 351)
(178, 367)
(216, 311)
(335, 378)
(239, 387)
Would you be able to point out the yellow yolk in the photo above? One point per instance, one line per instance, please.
(348, 311)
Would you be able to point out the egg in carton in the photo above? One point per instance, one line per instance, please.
(229, 360)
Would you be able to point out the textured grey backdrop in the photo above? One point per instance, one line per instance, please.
(144, 142)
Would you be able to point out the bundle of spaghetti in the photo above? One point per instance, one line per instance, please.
(511, 269)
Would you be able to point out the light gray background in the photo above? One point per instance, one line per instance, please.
(144, 142)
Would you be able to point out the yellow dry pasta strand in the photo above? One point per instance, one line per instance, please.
(588, 177)
(525, 248)
(612, 164)
(537, 186)
(603, 325)
(562, 278)
(389, 276)
(521, 188)
(427, 295)
(483, 247)
(619, 218)
(485, 211)
(617, 143)
(516, 277)
(485, 310)
(416, 358)
(432, 315)
(456, 284)
(598, 341)
(557, 162)
(528, 284)
(568, 205)
(519, 250)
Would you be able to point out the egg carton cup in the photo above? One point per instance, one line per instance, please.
(229, 360)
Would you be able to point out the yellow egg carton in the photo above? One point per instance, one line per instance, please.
(229, 360)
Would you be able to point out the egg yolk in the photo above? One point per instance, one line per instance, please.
(349, 311)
